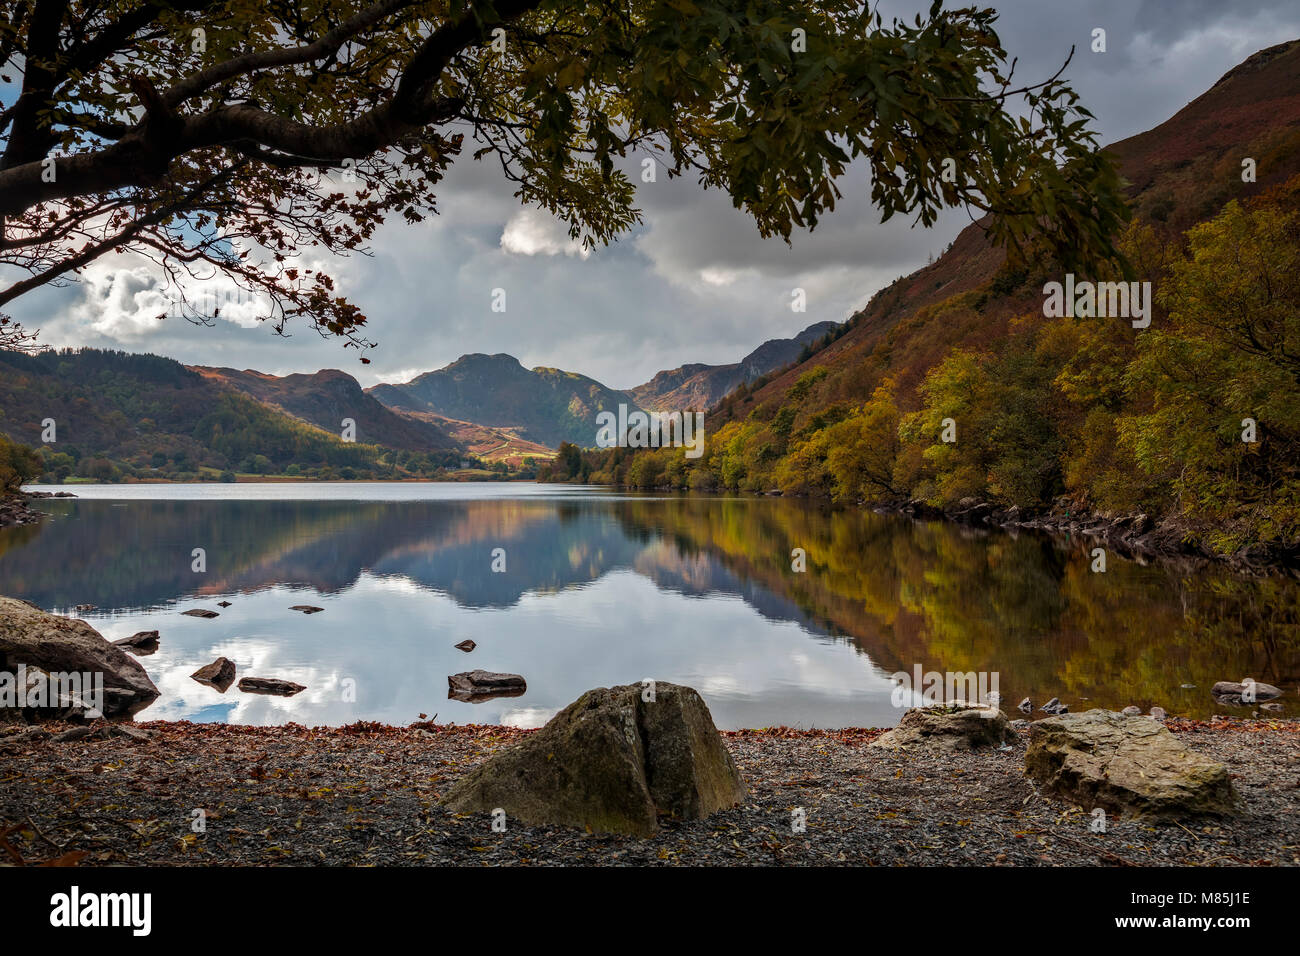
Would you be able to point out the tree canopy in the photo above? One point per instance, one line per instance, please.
(234, 137)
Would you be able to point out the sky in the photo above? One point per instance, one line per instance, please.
(695, 282)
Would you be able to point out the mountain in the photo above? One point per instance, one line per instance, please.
(701, 387)
(120, 415)
(544, 405)
(327, 397)
(1180, 172)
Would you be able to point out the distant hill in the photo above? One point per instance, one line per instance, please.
(119, 415)
(544, 405)
(327, 397)
(700, 387)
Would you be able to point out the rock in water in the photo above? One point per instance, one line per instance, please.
(1230, 692)
(466, 645)
(479, 686)
(611, 762)
(67, 645)
(200, 612)
(1132, 710)
(270, 685)
(307, 608)
(1132, 766)
(142, 642)
(949, 728)
(219, 674)
(1026, 706)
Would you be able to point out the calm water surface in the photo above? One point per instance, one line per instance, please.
(601, 588)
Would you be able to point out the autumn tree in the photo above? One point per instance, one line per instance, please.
(257, 139)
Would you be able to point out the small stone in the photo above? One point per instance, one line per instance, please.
(270, 685)
(477, 686)
(142, 642)
(1158, 713)
(219, 674)
(1053, 706)
(1026, 706)
(200, 612)
(1131, 711)
(87, 607)
(1272, 707)
(306, 608)
(466, 645)
(223, 604)
(131, 733)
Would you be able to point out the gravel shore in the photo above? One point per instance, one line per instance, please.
(368, 794)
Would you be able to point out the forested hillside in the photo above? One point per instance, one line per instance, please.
(120, 416)
(1085, 413)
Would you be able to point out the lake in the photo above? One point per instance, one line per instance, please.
(602, 588)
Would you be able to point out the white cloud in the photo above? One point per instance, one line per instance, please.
(532, 232)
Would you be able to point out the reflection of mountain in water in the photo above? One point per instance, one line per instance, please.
(139, 553)
(902, 592)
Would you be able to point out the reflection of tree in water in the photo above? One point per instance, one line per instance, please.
(941, 595)
(957, 598)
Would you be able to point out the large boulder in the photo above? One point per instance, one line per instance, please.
(1132, 766)
(57, 644)
(954, 727)
(611, 762)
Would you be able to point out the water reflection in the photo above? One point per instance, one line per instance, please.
(601, 589)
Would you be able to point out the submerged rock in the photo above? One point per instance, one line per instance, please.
(963, 727)
(142, 642)
(200, 612)
(62, 645)
(1231, 692)
(1132, 766)
(219, 674)
(270, 685)
(307, 608)
(612, 762)
(478, 686)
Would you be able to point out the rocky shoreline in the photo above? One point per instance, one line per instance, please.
(369, 794)
(1134, 536)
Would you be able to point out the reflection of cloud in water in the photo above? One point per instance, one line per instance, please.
(529, 716)
(396, 641)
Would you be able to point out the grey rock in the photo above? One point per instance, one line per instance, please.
(55, 644)
(948, 728)
(1132, 766)
(270, 685)
(219, 674)
(200, 612)
(611, 762)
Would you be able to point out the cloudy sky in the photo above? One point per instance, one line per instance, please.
(695, 283)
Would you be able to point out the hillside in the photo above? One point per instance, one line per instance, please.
(120, 416)
(953, 386)
(327, 397)
(698, 386)
(544, 405)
